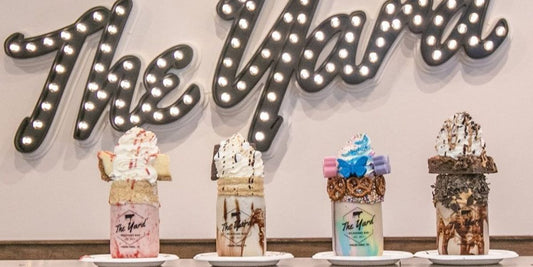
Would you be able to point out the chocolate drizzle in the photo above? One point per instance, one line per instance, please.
(468, 225)
(213, 166)
(225, 211)
(257, 218)
(237, 229)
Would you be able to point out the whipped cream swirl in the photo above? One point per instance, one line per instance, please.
(134, 156)
(460, 136)
(236, 158)
(357, 152)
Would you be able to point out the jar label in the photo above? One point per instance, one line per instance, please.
(134, 231)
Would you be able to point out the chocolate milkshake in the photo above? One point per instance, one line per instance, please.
(461, 191)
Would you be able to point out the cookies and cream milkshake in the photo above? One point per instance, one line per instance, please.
(133, 170)
(240, 211)
(461, 191)
(356, 187)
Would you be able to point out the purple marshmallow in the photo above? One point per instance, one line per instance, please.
(381, 159)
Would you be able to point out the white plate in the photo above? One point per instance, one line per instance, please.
(389, 257)
(270, 258)
(105, 260)
(494, 257)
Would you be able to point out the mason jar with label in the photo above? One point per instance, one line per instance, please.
(356, 188)
(357, 227)
(133, 169)
(461, 190)
(462, 214)
(240, 217)
(134, 230)
(240, 212)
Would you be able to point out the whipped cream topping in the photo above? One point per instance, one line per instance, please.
(236, 158)
(460, 136)
(134, 156)
(358, 153)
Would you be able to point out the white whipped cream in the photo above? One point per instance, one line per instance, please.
(357, 146)
(236, 158)
(460, 136)
(357, 151)
(134, 156)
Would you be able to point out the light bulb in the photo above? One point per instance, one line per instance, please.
(158, 116)
(264, 116)
(356, 21)
(53, 87)
(146, 107)
(161, 63)
(318, 79)
(135, 119)
(308, 54)
(335, 22)
(304, 74)
(373, 57)
(112, 29)
(272, 96)
(243, 24)
(265, 53)
(287, 17)
(187, 99)
(259, 136)
(330, 67)
(364, 70)
(349, 37)
(156, 92)
(174, 111)
(241, 86)
(254, 70)
(390, 8)
(167, 82)
(278, 77)
(222, 81)
(225, 97)
(302, 18)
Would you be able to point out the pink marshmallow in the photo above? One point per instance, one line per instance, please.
(330, 167)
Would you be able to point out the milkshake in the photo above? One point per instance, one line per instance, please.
(240, 210)
(133, 170)
(460, 194)
(356, 187)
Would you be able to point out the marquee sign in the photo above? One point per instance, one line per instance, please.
(446, 30)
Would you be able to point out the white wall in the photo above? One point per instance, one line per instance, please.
(60, 196)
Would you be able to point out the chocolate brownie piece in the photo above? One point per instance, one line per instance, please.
(463, 164)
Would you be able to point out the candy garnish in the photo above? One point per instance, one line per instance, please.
(356, 166)
(381, 164)
(330, 167)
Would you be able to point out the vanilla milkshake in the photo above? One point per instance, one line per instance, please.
(356, 187)
(240, 210)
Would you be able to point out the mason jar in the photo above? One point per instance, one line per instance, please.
(462, 232)
(134, 230)
(240, 217)
(134, 220)
(357, 228)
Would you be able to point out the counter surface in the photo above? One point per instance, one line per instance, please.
(307, 262)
